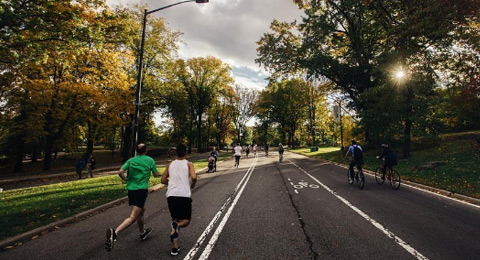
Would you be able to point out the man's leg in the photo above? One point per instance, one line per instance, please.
(351, 170)
(136, 212)
(179, 223)
(140, 221)
(112, 234)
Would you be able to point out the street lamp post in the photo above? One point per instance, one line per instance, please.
(138, 89)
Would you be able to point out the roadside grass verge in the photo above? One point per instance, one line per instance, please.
(459, 172)
(25, 209)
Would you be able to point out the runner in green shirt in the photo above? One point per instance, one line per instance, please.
(138, 171)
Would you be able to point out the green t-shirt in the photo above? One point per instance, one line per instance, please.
(139, 168)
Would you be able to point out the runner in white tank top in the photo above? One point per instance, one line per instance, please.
(180, 177)
(179, 183)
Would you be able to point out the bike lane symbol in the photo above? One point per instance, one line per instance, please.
(303, 184)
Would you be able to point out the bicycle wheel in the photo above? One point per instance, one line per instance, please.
(395, 179)
(378, 176)
(361, 179)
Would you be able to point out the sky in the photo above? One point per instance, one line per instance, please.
(225, 29)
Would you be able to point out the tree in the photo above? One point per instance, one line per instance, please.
(202, 79)
(356, 44)
(277, 105)
(245, 107)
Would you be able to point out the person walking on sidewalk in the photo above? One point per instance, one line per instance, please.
(238, 153)
(138, 171)
(181, 178)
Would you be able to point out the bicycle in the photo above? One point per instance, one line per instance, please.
(359, 177)
(392, 176)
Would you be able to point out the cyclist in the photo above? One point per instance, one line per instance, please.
(389, 158)
(280, 151)
(238, 153)
(356, 152)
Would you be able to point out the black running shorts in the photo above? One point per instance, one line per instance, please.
(137, 197)
(180, 207)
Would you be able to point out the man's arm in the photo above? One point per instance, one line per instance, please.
(193, 175)
(347, 154)
(121, 174)
(155, 171)
(165, 175)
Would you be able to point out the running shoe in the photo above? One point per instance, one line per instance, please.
(174, 233)
(175, 251)
(146, 233)
(111, 239)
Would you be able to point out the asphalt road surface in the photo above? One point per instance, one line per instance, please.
(298, 209)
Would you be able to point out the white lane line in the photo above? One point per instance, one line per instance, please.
(213, 240)
(296, 191)
(210, 226)
(379, 226)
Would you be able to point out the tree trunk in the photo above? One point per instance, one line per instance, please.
(19, 155)
(47, 158)
(90, 137)
(122, 131)
(35, 153)
(407, 134)
(408, 122)
(199, 133)
(113, 141)
(127, 143)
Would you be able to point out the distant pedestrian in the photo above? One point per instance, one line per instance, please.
(238, 153)
(138, 168)
(81, 164)
(181, 178)
(248, 150)
(91, 165)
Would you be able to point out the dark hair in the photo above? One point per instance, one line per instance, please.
(141, 148)
(181, 150)
(354, 142)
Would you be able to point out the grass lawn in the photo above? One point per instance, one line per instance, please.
(460, 172)
(25, 209)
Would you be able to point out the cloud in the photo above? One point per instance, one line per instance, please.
(226, 29)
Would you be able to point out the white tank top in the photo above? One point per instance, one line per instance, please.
(179, 182)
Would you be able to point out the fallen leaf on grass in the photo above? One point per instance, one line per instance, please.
(34, 237)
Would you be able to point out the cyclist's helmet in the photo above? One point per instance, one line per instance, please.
(280, 144)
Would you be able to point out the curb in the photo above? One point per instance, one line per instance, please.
(33, 234)
(444, 193)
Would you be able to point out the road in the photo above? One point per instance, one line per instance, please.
(298, 209)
